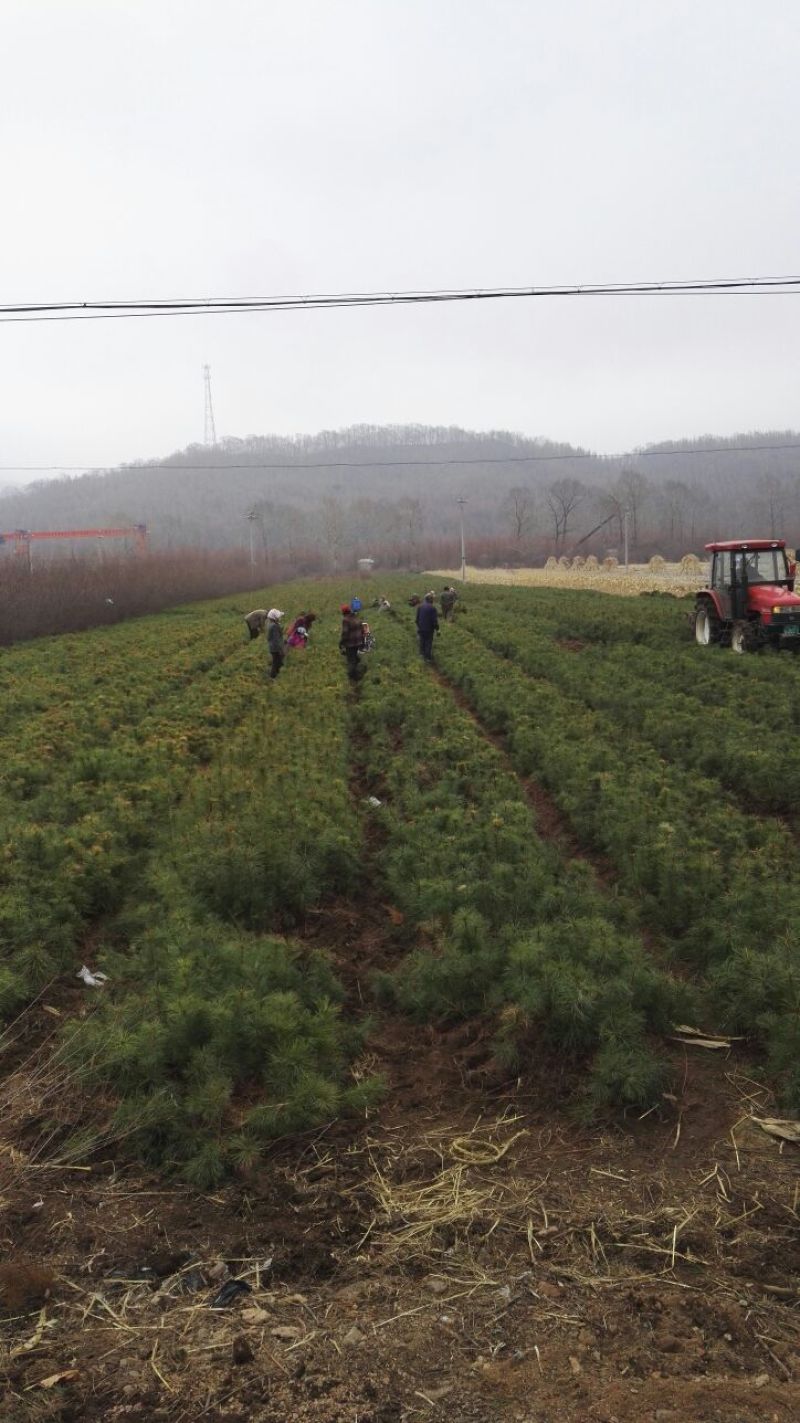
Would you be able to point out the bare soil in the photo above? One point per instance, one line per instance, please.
(471, 1252)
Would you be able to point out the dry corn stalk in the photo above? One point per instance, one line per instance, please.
(639, 579)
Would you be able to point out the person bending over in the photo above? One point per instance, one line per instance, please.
(256, 622)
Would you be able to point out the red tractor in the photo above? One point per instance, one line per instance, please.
(750, 602)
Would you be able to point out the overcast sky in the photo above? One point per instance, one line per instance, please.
(166, 148)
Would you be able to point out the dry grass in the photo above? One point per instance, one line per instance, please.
(440, 1191)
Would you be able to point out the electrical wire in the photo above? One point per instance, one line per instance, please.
(395, 464)
(193, 306)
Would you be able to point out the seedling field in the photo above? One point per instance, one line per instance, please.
(444, 1012)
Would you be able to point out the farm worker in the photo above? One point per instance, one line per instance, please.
(256, 622)
(298, 637)
(297, 632)
(384, 606)
(275, 641)
(351, 640)
(449, 596)
(427, 625)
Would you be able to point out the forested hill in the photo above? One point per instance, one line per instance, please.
(399, 485)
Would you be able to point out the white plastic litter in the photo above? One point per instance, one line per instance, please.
(92, 980)
(373, 800)
(779, 1126)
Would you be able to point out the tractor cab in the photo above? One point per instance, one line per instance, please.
(750, 602)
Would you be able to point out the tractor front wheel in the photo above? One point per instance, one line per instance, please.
(706, 625)
(744, 638)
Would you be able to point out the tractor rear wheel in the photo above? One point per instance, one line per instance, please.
(706, 625)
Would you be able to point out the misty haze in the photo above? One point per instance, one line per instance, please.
(391, 493)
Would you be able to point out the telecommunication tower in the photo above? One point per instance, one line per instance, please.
(209, 428)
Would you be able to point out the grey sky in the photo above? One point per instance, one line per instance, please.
(187, 148)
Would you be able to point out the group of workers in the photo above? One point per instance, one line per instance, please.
(427, 617)
(269, 622)
(356, 637)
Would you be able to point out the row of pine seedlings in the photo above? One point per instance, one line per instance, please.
(716, 877)
(226, 1031)
(505, 925)
(698, 711)
(104, 734)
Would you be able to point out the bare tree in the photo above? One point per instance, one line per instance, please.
(631, 489)
(677, 500)
(521, 509)
(771, 499)
(410, 517)
(333, 528)
(611, 504)
(563, 498)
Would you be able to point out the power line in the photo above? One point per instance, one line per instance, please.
(398, 464)
(311, 306)
(193, 306)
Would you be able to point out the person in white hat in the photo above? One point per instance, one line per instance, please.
(275, 641)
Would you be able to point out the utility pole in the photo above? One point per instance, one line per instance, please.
(252, 519)
(625, 518)
(209, 428)
(461, 503)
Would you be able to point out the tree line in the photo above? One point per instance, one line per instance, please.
(347, 493)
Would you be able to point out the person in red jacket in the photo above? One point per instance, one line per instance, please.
(298, 630)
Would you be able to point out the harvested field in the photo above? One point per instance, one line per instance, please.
(640, 578)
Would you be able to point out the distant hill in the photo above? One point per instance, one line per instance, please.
(383, 484)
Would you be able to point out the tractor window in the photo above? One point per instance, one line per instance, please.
(722, 570)
(765, 566)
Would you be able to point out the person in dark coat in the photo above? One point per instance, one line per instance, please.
(449, 596)
(275, 641)
(427, 625)
(351, 640)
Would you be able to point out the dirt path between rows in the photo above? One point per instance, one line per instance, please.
(551, 822)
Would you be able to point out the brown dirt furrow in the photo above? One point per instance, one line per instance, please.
(475, 1249)
(551, 822)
